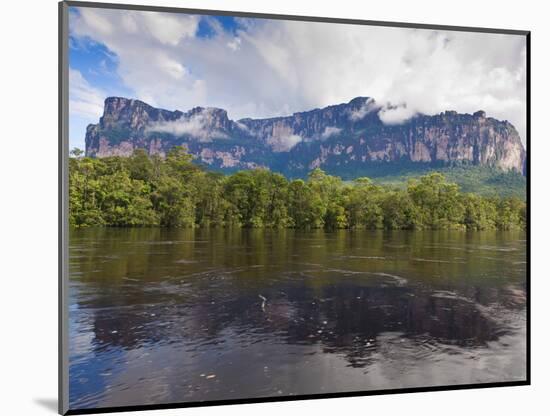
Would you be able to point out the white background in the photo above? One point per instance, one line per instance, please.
(28, 204)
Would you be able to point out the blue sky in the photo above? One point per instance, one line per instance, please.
(265, 68)
(98, 66)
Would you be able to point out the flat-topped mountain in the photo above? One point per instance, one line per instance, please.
(345, 138)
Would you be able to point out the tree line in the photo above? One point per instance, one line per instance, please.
(144, 190)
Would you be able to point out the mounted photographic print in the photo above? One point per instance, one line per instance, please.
(265, 207)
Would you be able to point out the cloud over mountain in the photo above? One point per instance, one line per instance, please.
(266, 68)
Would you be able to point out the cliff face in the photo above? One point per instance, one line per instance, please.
(344, 137)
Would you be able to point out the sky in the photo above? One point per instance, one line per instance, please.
(263, 68)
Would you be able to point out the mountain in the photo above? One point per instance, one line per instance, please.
(349, 139)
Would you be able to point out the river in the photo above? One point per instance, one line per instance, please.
(163, 315)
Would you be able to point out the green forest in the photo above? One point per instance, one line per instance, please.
(142, 190)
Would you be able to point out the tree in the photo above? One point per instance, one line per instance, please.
(126, 201)
(173, 201)
(76, 152)
(140, 166)
(511, 214)
(437, 201)
(328, 192)
(211, 208)
(363, 204)
(85, 192)
(479, 213)
(399, 211)
(145, 190)
(305, 206)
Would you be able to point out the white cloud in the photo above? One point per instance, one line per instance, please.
(280, 67)
(147, 47)
(234, 44)
(391, 114)
(243, 127)
(129, 23)
(330, 131)
(283, 143)
(367, 107)
(96, 21)
(84, 100)
(196, 126)
(169, 28)
(171, 67)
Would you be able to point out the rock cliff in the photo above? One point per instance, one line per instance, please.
(344, 137)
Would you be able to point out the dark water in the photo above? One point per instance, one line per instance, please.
(161, 316)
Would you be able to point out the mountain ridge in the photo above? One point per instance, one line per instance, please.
(345, 137)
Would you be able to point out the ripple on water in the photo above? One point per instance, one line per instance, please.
(436, 260)
(146, 326)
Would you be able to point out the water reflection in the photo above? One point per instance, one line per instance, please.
(183, 315)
